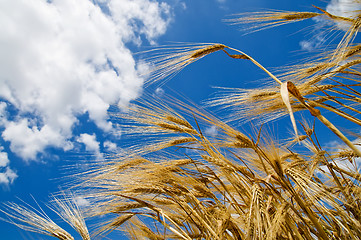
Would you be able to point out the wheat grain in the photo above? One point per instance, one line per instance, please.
(207, 50)
(179, 121)
(181, 141)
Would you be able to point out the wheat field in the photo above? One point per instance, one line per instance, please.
(177, 182)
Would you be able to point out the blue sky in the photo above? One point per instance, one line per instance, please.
(63, 63)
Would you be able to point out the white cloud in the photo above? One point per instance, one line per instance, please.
(307, 45)
(27, 140)
(312, 44)
(344, 8)
(81, 202)
(147, 12)
(7, 175)
(62, 58)
(183, 5)
(4, 160)
(110, 146)
(211, 131)
(159, 92)
(90, 142)
(3, 113)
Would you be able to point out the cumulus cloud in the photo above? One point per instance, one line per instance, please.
(27, 140)
(3, 113)
(61, 59)
(91, 144)
(4, 160)
(110, 146)
(7, 175)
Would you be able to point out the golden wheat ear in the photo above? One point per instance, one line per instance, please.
(257, 21)
(167, 61)
(67, 208)
(30, 219)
